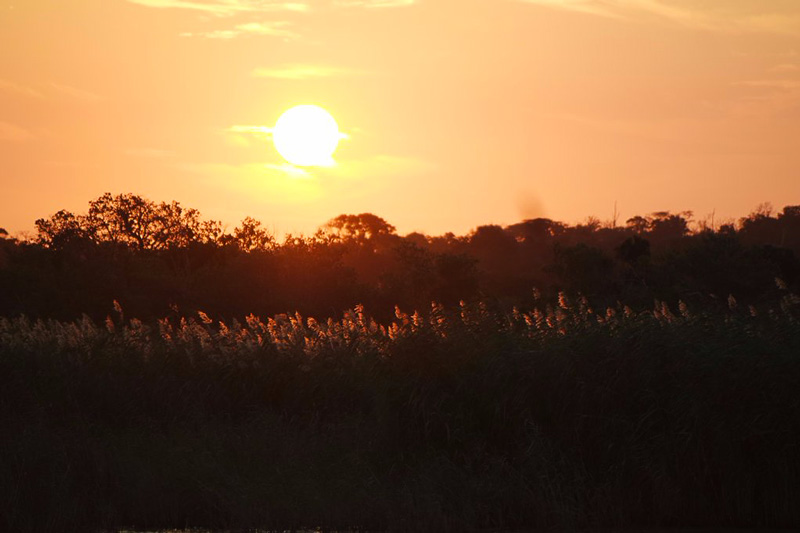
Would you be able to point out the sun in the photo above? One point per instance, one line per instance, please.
(306, 135)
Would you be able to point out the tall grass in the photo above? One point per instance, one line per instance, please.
(450, 420)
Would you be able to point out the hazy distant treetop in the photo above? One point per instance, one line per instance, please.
(638, 224)
(420, 239)
(762, 210)
(666, 226)
(536, 229)
(491, 237)
(589, 226)
(661, 225)
(358, 228)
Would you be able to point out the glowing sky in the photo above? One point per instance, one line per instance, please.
(457, 112)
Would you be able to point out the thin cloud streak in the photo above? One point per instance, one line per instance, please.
(149, 153)
(590, 7)
(785, 67)
(234, 7)
(22, 90)
(722, 18)
(48, 90)
(297, 72)
(14, 133)
(76, 93)
(255, 130)
(225, 7)
(266, 131)
(372, 4)
(270, 29)
(289, 169)
(276, 183)
(771, 84)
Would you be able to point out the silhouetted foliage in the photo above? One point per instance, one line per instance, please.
(634, 250)
(129, 220)
(585, 269)
(154, 257)
(357, 228)
(251, 237)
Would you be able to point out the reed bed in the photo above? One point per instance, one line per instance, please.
(456, 419)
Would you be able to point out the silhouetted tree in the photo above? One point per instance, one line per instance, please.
(638, 224)
(448, 243)
(129, 220)
(789, 220)
(536, 230)
(358, 228)
(60, 230)
(666, 227)
(492, 241)
(6, 247)
(417, 238)
(760, 227)
(249, 236)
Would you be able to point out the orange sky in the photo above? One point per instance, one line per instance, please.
(458, 112)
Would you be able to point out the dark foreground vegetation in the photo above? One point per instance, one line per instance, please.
(453, 420)
(514, 408)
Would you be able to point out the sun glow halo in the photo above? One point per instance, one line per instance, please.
(306, 135)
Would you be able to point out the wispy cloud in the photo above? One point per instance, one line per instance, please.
(225, 7)
(261, 131)
(771, 84)
(12, 132)
(278, 183)
(19, 89)
(289, 169)
(374, 3)
(767, 96)
(591, 7)
(273, 29)
(742, 16)
(264, 131)
(47, 90)
(76, 93)
(234, 7)
(618, 8)
(285, 184)
(149, 153)
(243, 136)
(785, 68)
(297, 72)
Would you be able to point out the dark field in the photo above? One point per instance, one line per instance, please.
(519, 410)
(460, 419)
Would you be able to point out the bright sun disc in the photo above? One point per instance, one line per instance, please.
(306, 135)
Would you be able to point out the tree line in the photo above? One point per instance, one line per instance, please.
(160, 258)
